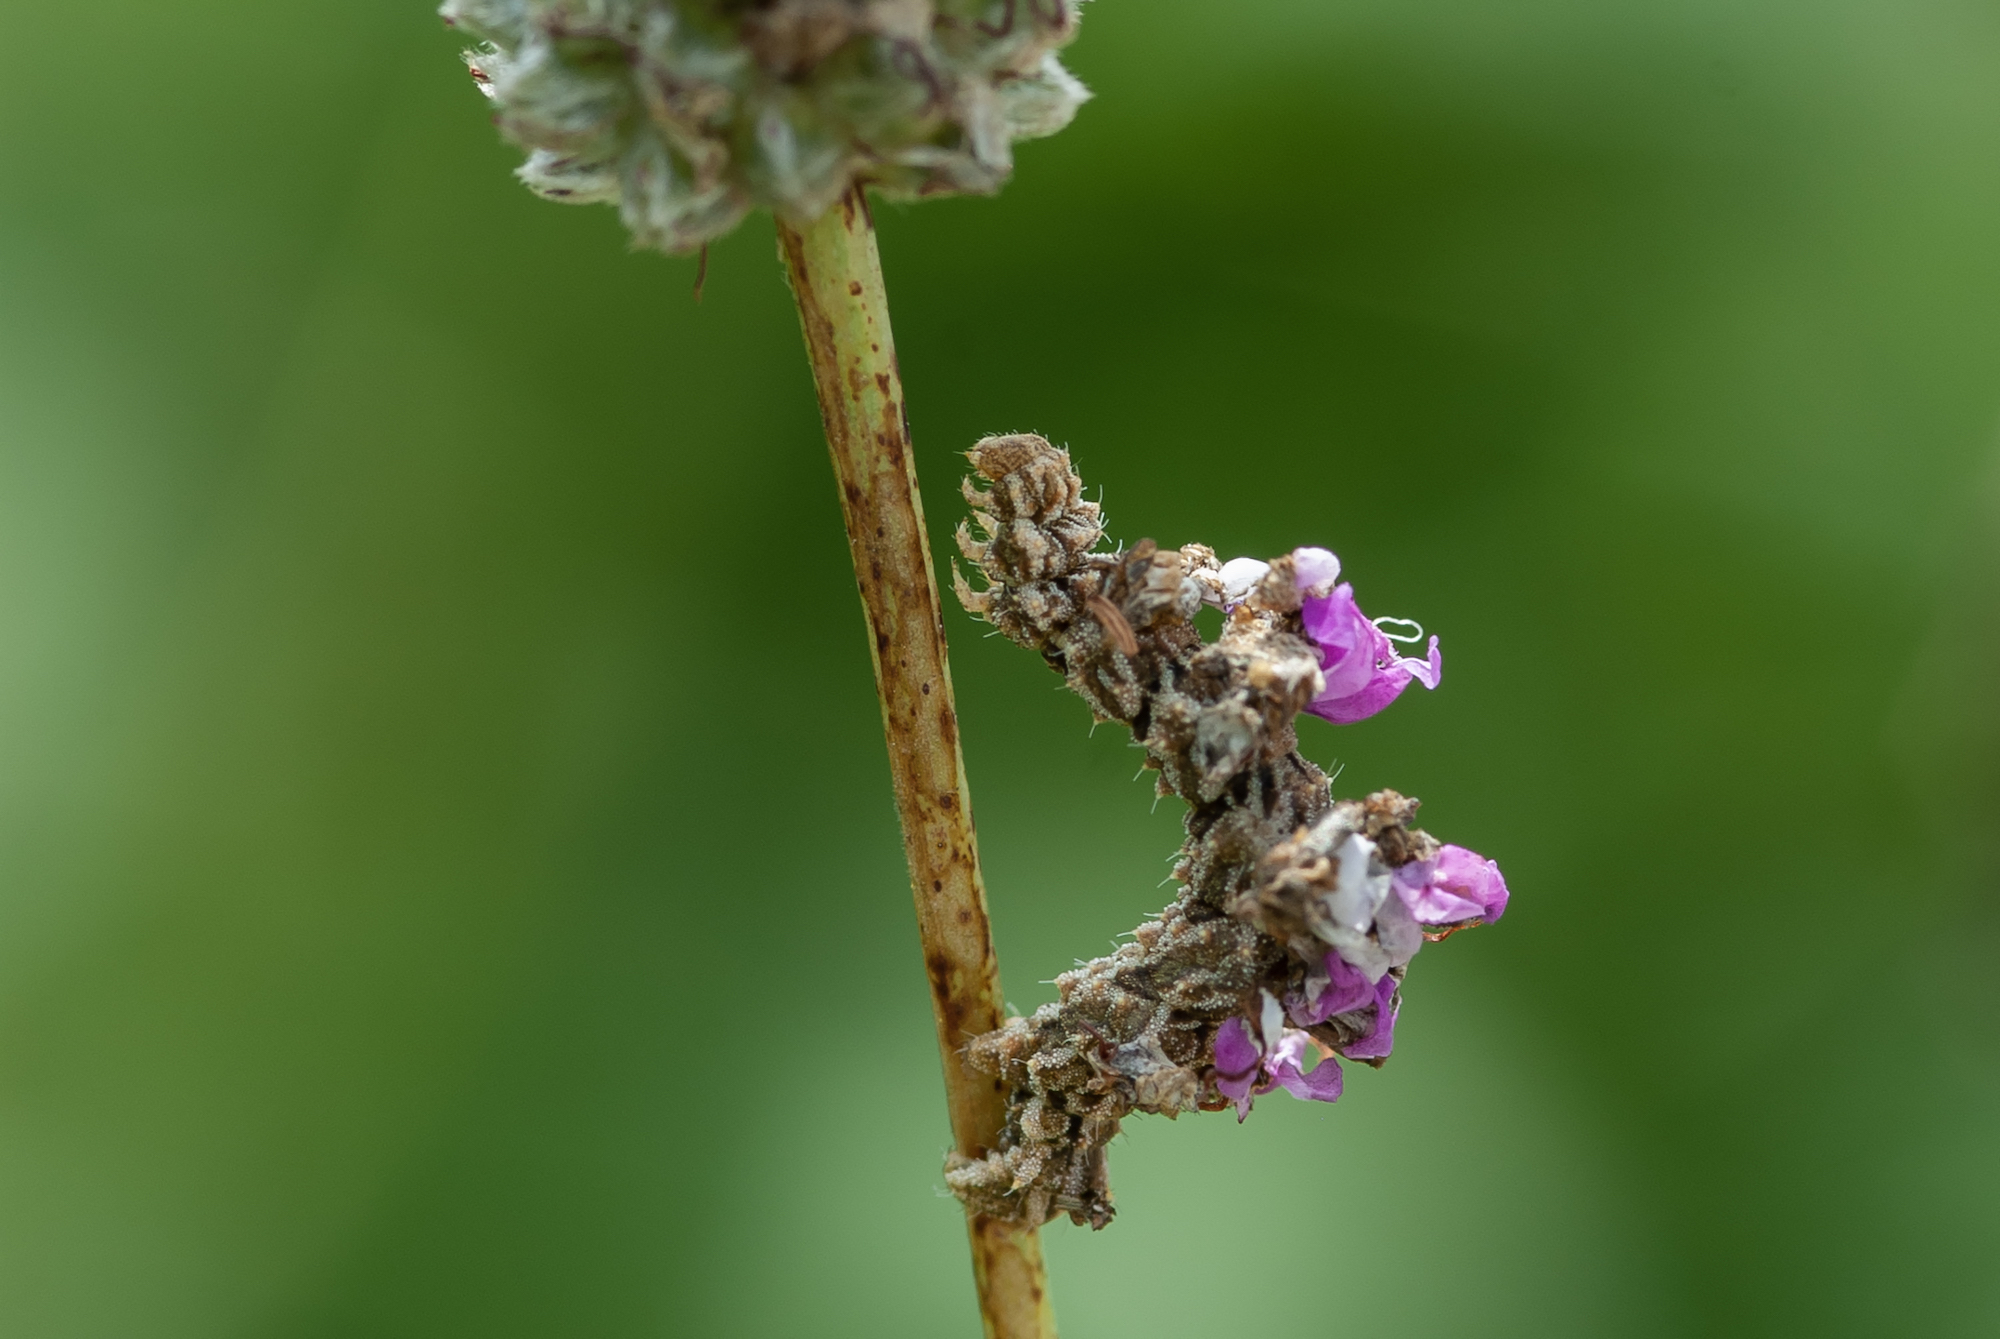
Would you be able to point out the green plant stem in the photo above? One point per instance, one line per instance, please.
(836, 276)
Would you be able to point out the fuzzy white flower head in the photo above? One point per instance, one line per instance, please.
(688, 114)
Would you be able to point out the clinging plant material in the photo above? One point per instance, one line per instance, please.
(1300, 913)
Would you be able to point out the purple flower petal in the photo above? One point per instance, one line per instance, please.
(1314, 570)
(1382, 1038)
(1349, 645)
(1285, 1066)
(1428, 672)
(1430, 903)
(1455, 887)
(1475, 878)
(1236, 1054)
(1290, 1051)
(1322, 1085)
(1383, 689)
(1397, 934)
(1347, 988)
(1363, 673)
(1236, 1064)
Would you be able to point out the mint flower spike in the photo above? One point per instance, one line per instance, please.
(688, 114)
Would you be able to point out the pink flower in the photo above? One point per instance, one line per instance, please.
(1363, 672)
(1348, 990)
(1375, 918)
(1455, 887)
(1381, 1039)
(1247, 1064)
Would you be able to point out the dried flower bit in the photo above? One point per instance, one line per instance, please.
(1113, 622)
(968, 545)
(1198, 562)
(690, 113)
(978, 603)
(1248, 1064)
(1239, 576)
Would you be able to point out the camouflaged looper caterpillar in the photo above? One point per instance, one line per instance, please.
(1299, 913)
(688, 114)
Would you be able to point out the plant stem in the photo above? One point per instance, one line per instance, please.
(836, 276)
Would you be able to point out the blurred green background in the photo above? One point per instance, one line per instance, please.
(448, 884)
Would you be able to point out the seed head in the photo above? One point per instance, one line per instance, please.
(688, 114)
